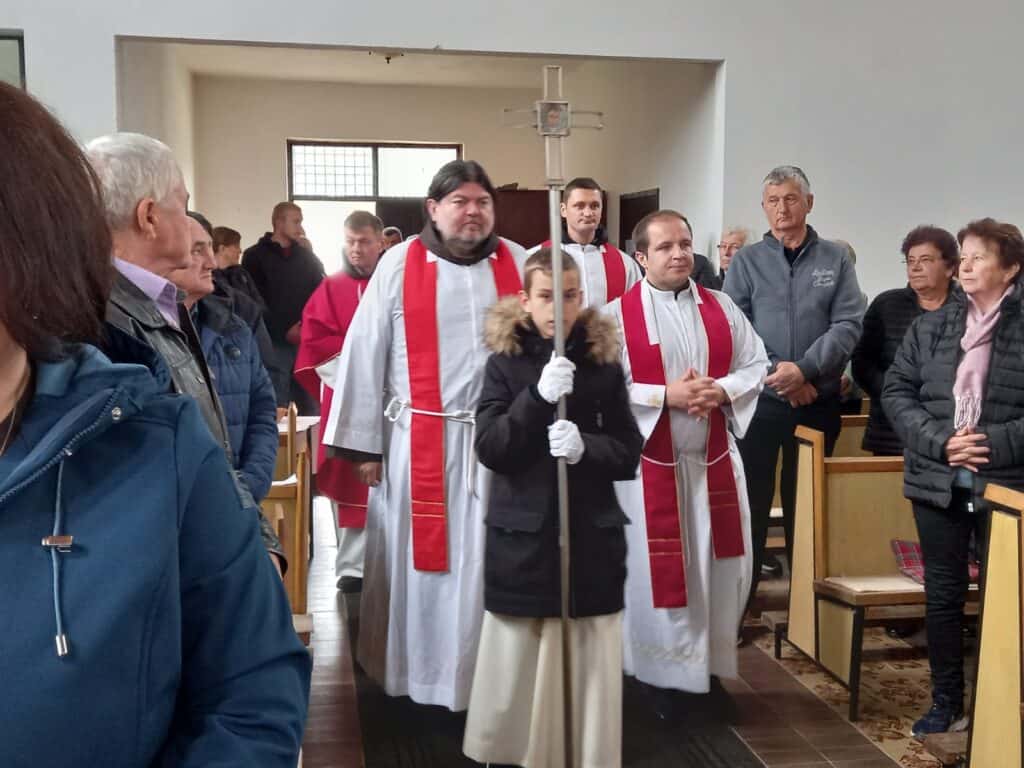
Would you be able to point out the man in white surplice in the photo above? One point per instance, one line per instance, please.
(681, 647)
(423, 313)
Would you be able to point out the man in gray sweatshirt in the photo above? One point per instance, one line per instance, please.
(802, 297)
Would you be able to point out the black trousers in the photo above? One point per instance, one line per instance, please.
(771, 430)
(945, 538)
(286, 387)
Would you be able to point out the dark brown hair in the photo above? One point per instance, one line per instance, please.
(543, 261)
(580, 182)
(641, 240)
(1005, 237)
(55, 247)
(225, 236)
(363, 220)
(936, 236)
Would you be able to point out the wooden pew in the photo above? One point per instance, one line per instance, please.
(844, 574)
(287, 508)
(850, 436)
(995, 733)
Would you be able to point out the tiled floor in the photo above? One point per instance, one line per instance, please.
(781, 721)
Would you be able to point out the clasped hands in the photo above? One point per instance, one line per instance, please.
(965, 449)
(788, 381)
(697, 395)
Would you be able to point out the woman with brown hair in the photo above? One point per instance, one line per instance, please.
(148, 627)
(955, 398)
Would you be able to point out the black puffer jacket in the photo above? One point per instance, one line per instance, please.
(521, 570)
(885, 324)
(918, 400)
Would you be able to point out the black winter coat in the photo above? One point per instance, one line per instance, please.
(521, 569)
(885, 324)
(918, 400)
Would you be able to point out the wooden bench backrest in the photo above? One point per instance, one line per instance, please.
(851, 436)
(847, 512)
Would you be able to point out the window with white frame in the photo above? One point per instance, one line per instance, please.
(329, 180)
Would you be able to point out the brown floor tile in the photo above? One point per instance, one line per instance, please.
(774, 757)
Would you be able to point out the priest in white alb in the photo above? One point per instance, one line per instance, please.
(694, 367)
(605, 272)
(407, 385)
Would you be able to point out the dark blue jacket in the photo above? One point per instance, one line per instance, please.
(246, 394)
(182, 651)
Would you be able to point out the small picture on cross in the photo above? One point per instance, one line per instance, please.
(553, 118)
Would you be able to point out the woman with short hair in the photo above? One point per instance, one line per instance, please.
(930, 255)
(955, 397)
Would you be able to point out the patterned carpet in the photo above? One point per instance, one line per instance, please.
(894, 690)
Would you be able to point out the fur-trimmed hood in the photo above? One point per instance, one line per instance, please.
(508, 324)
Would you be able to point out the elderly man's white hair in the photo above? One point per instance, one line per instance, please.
(783, 173)
(738, 230)
(131, 167)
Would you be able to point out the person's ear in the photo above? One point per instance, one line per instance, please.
(432, 209)
(810, 203)
(147, 218)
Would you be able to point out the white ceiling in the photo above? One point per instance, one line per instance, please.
(364, 66)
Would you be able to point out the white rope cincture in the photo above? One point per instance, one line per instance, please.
(395, 408)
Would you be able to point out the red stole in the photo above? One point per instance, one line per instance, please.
(325, 321)
(614, 271)
(419, 302)
(658, 471)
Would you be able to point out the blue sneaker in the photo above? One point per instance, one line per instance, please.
(944, 716)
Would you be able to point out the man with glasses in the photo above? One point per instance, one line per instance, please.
(802, 297)
(732, 240)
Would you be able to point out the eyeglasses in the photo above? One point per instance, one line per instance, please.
(924, 261)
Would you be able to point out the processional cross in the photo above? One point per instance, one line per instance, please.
(553, 119)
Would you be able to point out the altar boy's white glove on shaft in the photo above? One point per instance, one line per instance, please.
(556, 379)
(565, 441)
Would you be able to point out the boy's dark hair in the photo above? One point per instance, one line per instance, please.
(580, 182)
(224, 237)
(542, 261)
(641, 239)
(53, 223)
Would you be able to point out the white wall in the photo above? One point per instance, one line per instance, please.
(154, 96)
(900, 112)
(241, 126)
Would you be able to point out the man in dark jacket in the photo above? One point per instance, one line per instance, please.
(145, 198)
(286, 274)
(516, 438)
(801, 295)
(230, 274)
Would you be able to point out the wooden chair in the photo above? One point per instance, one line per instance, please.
(288, 445)
(844, 574)
(851, 435)
(287, 507)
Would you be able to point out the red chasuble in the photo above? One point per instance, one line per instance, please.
(419, 302)
(325, 320)
(658, 470)
(614, 271)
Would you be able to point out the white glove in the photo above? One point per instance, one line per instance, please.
(556, 378)
(565, 440)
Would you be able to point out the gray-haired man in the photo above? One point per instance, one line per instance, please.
(801, 294)
(145, 200)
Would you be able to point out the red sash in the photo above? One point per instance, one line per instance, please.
(658, 472)
(614, 271)
(419, 301)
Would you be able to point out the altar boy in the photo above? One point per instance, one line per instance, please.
(517, 687)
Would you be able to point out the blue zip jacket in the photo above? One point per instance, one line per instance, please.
(246, 394)
(180, 645)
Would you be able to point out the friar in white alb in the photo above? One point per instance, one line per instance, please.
(605, 272)
(407, 385)
(694, 367)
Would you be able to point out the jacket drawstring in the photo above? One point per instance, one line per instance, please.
(58, 544)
